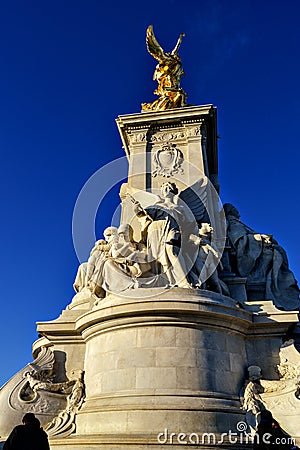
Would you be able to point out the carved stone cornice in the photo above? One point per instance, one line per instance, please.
(178, 125)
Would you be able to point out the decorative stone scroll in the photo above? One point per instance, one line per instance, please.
(167, 161)
(36, 392)
(64, 423)
(277, 396)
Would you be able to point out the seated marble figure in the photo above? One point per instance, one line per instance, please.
(89, 273)
(126, 263)
(260, 259)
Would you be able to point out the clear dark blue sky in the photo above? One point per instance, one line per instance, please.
(68, 69)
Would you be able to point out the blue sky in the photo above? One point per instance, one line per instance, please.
(68, 69)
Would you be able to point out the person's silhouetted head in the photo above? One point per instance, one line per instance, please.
(30, 419)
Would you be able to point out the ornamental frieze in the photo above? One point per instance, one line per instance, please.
(167, 136)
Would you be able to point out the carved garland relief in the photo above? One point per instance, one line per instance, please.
(138, 136)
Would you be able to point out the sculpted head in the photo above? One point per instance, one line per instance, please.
(110, 234)
(168, 189)
(125, 233)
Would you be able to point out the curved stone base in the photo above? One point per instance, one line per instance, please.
(164, 359)
(142, 442)
(173, 361)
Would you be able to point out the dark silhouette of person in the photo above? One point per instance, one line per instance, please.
(29, 436)
(270, 435)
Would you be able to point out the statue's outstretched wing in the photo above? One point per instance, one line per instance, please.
(153, 46)
(195, 199)
(175, 49)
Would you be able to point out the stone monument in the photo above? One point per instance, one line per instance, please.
(171, 308)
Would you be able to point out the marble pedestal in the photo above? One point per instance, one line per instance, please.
(158, 360)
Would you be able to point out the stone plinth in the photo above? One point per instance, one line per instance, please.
(191, 129)
(164, 359)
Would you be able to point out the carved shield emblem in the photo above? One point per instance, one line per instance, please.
(167, 161)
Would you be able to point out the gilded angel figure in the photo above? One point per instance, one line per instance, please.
(168, 73)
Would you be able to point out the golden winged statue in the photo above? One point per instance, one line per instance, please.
(168, 73)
